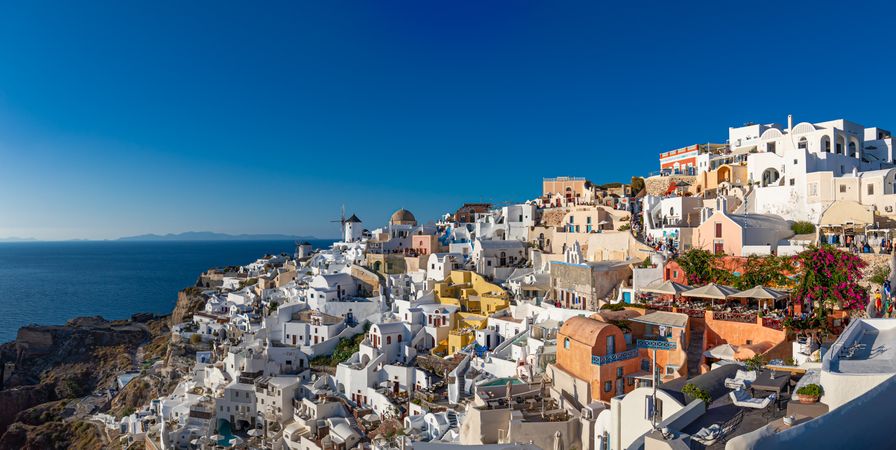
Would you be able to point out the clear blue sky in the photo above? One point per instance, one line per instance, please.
(118, 119)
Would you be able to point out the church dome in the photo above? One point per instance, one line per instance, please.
(403, 217)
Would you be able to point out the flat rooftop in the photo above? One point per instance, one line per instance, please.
(867, 346)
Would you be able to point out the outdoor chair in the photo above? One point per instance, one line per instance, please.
(708, 435)
(742, 399)
(741, 380)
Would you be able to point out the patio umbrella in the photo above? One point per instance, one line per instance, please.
(724, 351)
(236, 440)
(762, 293)
(667, 287)
(216, 437)
(711, 291)
(255, 432)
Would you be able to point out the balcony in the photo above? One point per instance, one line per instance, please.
(615, 357)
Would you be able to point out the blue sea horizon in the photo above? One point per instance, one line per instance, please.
(49, 283)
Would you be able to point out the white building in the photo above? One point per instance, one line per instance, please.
(780, 159)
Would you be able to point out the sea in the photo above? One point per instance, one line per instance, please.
(49, 283)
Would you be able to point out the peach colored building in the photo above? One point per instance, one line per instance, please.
(741, 234)
(596, 353)
(567, 191)
(425, 244)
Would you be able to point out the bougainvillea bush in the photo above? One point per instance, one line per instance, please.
(829, 278)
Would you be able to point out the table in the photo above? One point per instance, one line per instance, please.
(765, 382)
(778, 425)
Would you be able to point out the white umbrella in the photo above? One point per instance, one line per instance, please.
(255, 432)
(711, 291)
(236, 440)
(216, 437)
(667, 287)
(724, 351)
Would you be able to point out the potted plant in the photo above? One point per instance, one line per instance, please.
(809, 393)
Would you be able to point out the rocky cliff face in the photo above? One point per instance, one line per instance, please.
(189, 301)
(57, 369)
(59, 362)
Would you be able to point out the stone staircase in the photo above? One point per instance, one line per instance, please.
(452, 419)
(695, 349)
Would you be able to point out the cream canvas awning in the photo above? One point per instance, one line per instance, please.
(711, 290)
(844, 212)
(667, 287)
(761, 292)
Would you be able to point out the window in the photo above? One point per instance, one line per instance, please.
(388, 340)
(588, 220)
(566, 343)
(842, 188)
(608, 386)
(770, 147)
(749, 342)
(619, 371)
(795, 162)
(718, 230)
(870, 189)
(804, 144)
(792, 181)
(813, 189)
(611, 344)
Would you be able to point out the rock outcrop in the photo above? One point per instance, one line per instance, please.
(189, 301)
(58, 362)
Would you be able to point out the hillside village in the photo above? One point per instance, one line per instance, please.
(736, 298)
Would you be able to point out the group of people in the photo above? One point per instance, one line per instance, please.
(883, 301)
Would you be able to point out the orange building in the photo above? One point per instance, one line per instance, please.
(425, 244)
(596, 352)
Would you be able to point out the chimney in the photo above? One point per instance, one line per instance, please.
(789, 123)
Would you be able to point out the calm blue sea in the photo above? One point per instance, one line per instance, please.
(51, 282)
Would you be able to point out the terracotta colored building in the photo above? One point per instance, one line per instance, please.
(468, 212)
(596, 352)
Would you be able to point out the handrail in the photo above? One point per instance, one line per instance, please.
(619, 356)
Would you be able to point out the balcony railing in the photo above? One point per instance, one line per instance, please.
(735, 317)
(696, 313)
(775, 324)
(607, 359)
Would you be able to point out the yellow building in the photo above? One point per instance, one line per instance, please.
(469, 291)
(476, 298)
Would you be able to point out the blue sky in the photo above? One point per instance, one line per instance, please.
(119, 119)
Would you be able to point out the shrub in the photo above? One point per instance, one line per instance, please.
(195, 339)
(612, 307)
(696, 393)
(755, 363)
(803, 227)
(624, 227)
(811, 390)
(880, 274)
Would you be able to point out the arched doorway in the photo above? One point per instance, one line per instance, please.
(723, 175)
(770, 176)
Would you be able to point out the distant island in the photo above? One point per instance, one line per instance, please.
(212, 236)
(16, 239)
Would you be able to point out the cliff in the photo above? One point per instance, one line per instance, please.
(58, 362)
(189, 301)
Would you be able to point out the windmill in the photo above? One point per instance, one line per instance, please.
(341, 221)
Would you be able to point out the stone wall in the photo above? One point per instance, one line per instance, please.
(660, 185)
